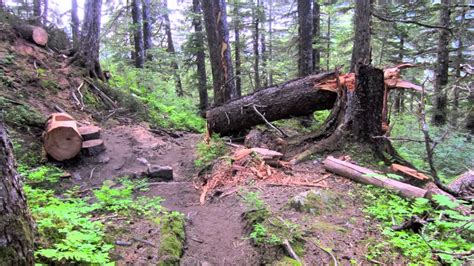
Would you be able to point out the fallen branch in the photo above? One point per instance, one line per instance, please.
(367, 176)
(290, 251)
(107, 100)
(411, 22)
(328, 252)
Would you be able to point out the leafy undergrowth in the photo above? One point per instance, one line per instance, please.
(446, 234)
(453, 155)
(157, 91)
(269, 231)
(208, 152)
(70, 228)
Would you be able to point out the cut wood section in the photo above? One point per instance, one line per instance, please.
(398, 168)
(89, 132)
(32, 33)
(93, 147)
(369, 177)
(62, 140)
(291, 99)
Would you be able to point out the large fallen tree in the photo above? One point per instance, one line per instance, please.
(291, 99)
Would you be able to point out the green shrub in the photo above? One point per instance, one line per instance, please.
(450, 231)
(208, 152)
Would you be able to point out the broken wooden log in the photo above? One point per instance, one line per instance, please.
(93, 147)
(413, 176)
(33, 33)
(291, 99)
(369, 177)
(62, 140)
(89, 132)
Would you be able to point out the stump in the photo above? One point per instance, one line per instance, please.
(89, 132)
(93, 147)
(62, 140)
(33, 33)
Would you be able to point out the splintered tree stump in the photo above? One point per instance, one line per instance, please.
(89, 132)
(294, 98)
(93, 147)
(32, 33)
(62, 140)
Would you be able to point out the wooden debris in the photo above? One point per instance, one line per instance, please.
(62, 140)
(409, 172)
(89, 132)
(93, 147)
(367, 176)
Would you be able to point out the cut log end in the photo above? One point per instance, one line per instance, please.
(33, 33)
(93, 147)
(62, 143)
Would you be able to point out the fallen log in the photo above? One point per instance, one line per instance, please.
(369, 177)
(89, 132)
(62, 140)
(291, 99)
(93, 147)
(32, 33)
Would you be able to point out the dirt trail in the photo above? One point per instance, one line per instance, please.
(214, 232)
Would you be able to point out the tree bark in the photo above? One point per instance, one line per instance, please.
(16, 224)
(37, 12)
(328, 43)
(238, 67)
(305, 44)
(316, 36)
(45, 11)
(264, 58)
(172, 52)
(294, 98)
(200, 56)
(138, 34)
(256, 22)
(215, 18)
(88, 53)
(75, 25)
(270, 41)
(398, 105)
(441, 79)
(361, 51)
(147, 24)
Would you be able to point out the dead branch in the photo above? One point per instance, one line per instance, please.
(411, 22)
(268, 123)
(290, 251)
(107, 100)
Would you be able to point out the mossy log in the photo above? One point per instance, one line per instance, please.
(33, 33)
(294, 98)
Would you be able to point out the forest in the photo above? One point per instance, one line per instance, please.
(236, 132)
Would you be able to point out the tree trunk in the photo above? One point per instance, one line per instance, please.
(16, 224)
(215, 18)
(238, 67)
(75, 25)
(172, 52)
(200, 56)
(316, 36)
(361, 51)
(37, 12)
(264, 58)
(270, 41)
(45, 12)
(398, 105)
(88, 53)
(305, 44)
(256, 21)
(147, 23)
(328, 44)
(138, 34)
(294, 98)
(441, 79)
(459, 57)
